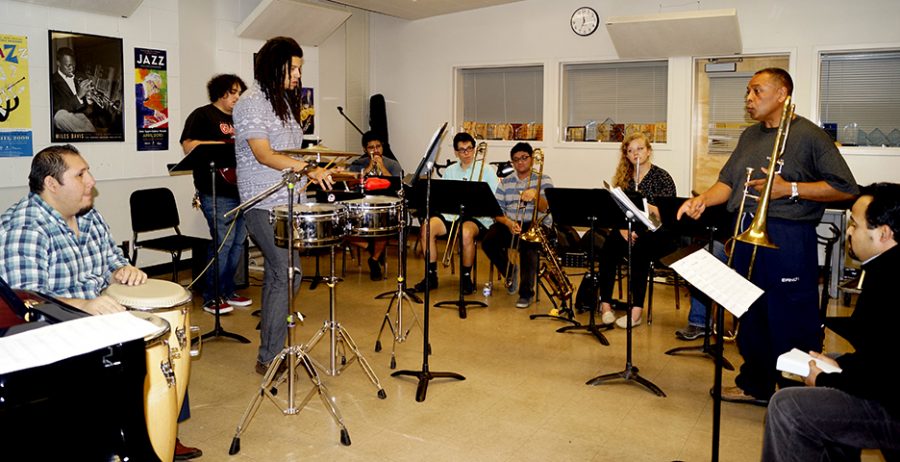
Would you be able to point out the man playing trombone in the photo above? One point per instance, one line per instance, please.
(467, 169)
(517, 196)
(813, 173)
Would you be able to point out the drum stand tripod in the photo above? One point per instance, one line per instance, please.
(337, 333)
(401, 294)
(294, 355)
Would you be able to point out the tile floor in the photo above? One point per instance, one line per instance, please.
(524, 396)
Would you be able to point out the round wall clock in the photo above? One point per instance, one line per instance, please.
(585, 21)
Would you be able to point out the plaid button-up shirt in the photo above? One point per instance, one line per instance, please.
(39, 252)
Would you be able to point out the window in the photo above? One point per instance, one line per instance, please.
(859, 97)
(611, 100)
(503, 103)
(727, 114)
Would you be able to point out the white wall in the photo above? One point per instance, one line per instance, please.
(413, 66)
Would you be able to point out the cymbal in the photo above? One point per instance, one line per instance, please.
(320, 150)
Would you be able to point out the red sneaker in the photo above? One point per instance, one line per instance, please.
(237, 300)
(183, 452)
(224, 308)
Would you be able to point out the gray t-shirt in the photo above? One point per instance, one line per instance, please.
(254, 118)
(809, 155)
(362, 162)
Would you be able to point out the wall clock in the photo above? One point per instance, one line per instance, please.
(585, 21)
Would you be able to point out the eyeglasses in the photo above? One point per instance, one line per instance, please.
(468, 150)
(521, 159)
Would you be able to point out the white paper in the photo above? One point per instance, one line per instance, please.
(649, 221)
(721, 283)
(797, 362)
(38, 347)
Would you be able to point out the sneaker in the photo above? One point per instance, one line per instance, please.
(523, 302)
(513, 288)
(224, 308)
(608, 317)
(691, 332)
(375, 272)
(183, 452)
(420, 286)
(623, 322)
(237, 300)
(468, 287)
(737, 395)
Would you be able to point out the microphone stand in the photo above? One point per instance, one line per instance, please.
(341, 110)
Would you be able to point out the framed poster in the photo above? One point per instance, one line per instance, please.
(86, 92)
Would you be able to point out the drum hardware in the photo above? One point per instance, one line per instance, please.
(338, 334)
(294, 354)
(402, 294)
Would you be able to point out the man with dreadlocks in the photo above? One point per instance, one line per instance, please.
(266, 121)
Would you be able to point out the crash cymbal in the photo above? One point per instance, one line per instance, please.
(320, 150)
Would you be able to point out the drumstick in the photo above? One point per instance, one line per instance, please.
(303, 189)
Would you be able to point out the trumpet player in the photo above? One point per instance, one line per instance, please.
(813, 173)
(517, 196)
(466, 169)
(72, 104)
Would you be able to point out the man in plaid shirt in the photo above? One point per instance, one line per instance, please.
(53, 242)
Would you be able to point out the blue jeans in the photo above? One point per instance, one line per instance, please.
(699, 301)
(273, 321)
(824, 424)
(232, 246)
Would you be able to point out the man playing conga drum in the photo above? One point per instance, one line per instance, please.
(53, 242)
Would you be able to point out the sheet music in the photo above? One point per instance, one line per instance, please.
(721, 283)
(797, 362)
(68, 339)
(652, 223)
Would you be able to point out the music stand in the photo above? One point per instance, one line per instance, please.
(593, 208)
(425, 167)
(630, 373)
(468, 199)
(712, 220)
(213, 157)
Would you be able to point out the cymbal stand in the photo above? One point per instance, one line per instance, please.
(708, 349)
(294, 355)
(591, 278)
(399, 335)
(425, 375)
(337, 333)
(631, 371)
(218, 330)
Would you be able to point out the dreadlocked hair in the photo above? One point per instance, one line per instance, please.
(272, 66)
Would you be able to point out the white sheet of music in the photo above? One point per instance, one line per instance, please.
(56, 342)
(721, 283)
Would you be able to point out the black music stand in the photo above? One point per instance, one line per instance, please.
(213, 157)
(425, 168)
(630, 373)
(468, 199)
(712, 220)
(593, 208)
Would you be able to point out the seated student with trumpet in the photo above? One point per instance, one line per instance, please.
(466, 169)
(55, 243)
(634, 173)
(517, 195)
(373, 163)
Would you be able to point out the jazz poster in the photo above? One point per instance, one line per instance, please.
(151, 104)
(86, 88)
(15, 97)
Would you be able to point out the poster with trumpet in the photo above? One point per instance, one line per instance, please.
(86, 87)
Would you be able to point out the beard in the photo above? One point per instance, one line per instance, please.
(85, 210)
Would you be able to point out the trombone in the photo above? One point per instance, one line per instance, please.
(453, 235)
(513, 249)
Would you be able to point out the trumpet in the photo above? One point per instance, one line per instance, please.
(98, 97)
(453, 235)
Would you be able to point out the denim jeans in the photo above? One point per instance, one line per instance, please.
(806, 424)
(699, 301)
(273, 321)
(232, 244)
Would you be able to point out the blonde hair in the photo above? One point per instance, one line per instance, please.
(625, 170)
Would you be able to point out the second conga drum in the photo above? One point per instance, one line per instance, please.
(169, 301)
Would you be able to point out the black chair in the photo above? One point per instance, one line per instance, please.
(155, 210)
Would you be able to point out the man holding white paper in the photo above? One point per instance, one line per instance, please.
(838, 414)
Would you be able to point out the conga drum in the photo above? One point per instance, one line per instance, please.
(169, 301)
(160, 400)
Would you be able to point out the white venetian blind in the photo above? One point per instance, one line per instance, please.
(631, 92)
(860, 93)
(503, 94)
(727, 113)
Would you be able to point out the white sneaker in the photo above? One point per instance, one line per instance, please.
(224, 308)
(608, 317)
(623, 322)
